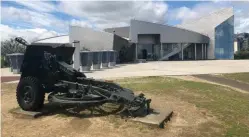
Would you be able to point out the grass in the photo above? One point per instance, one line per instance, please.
(243, 77)
(230, 106)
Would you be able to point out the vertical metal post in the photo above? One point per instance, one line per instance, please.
(161, 50)
(205, 49)
(202, 51)
(136, 51)
(195, 51)
(76, 56)
(182, 50)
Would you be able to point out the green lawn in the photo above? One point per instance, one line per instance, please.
(243, 77)
(228, 105)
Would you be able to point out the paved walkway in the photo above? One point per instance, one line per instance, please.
(173, 68)
(165, 68)
(224, 81)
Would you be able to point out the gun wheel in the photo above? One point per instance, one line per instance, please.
(29, 94)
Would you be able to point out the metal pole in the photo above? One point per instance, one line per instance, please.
(161, 50)
(136, 51)
(202, 51)
(76, 56)
(182, 50)
(205, 49)
(195, 51)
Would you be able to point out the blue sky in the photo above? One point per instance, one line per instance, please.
(39, 19)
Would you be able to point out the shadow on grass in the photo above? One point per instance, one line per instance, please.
(50, 109)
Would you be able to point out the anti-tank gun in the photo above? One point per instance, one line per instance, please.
(48, 69)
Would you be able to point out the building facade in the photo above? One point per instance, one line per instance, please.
(162, 42)
(209, 37)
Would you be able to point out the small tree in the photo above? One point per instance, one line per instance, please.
(8, 47)
(242, 54)
(84, 49)
(11, 46)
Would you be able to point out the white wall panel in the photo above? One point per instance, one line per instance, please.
(91, 39)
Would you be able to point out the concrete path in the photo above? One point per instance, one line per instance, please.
(167, 68)
(7, 72)
(224, 81)
(173, 68)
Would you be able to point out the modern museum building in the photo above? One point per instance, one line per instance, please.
(208, 37)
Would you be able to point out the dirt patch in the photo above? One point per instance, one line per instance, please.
(187, 119)
(80, 125)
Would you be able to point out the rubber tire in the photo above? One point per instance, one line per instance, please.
(38, 95)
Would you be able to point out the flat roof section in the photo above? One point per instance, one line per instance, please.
(120, 31)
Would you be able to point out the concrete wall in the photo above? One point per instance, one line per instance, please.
(168, 34)
(91, 39)
(206, 25)
(148, 39)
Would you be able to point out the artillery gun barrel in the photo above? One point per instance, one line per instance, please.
(21, 41)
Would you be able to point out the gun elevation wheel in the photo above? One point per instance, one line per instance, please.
(29, 94)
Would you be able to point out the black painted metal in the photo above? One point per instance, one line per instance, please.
(105, 59)
(97, 59)
(86, 58)
(113, 57)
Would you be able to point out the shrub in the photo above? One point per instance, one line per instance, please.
(8, 47)
(243, 54)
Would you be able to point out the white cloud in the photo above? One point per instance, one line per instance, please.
(80, 23)
(37, 22)
(28, 34)
(184, 13)
(115, 13)
(241, 13)
(36, 19)
(199, 10)
(42, 6)
(104, 14)
(241, 16)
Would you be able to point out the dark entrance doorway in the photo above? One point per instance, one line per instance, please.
(144, 54)
(148, 46)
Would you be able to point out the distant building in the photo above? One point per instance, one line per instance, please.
(235, 44)
(242, 40)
